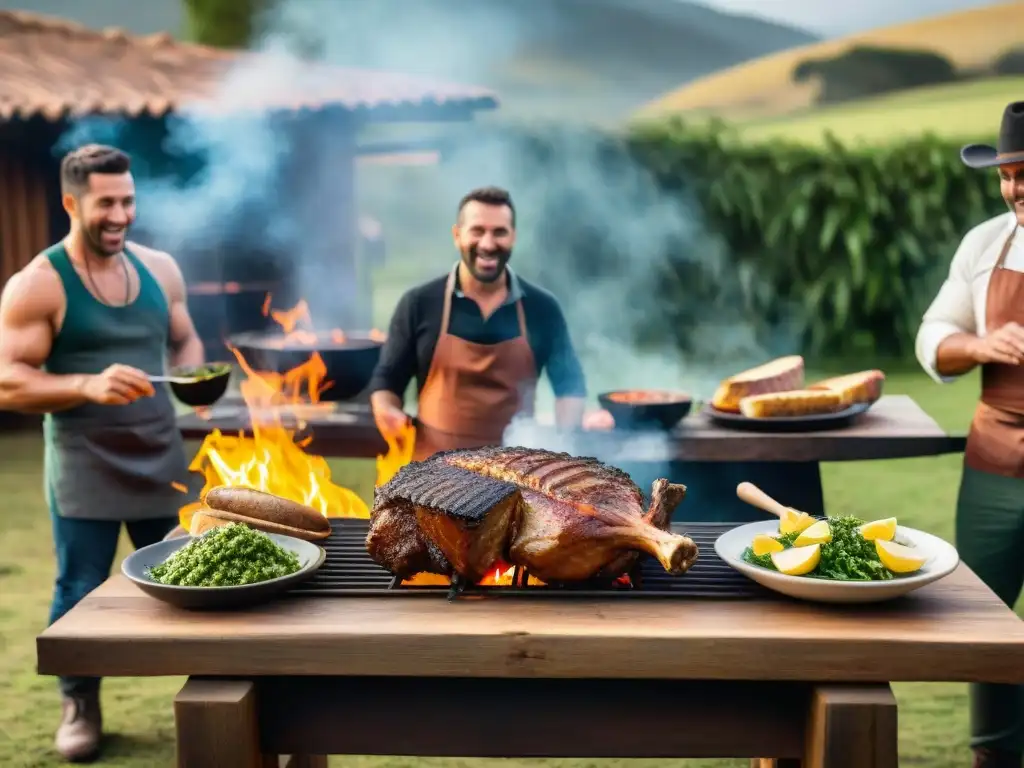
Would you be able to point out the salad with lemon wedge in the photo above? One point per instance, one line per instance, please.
(837, 548)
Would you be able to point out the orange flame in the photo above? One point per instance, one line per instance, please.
(501, 576)
(272, 460)
(399, 454)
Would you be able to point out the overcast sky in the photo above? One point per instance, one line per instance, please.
(834, 18)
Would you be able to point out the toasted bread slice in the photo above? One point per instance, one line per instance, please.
(782, 374)
(860, 387)
(800, 402)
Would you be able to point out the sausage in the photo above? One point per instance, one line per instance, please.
(259, 505)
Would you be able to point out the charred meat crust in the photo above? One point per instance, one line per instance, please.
(459, 493)
(556, 474)
(395, 538)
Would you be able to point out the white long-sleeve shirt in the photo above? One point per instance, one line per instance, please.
(960, 304)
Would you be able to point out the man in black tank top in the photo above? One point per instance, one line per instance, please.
(82, 328)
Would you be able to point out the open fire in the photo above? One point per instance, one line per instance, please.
(274, 461)
(291, 319)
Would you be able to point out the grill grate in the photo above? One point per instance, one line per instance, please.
(348, 571)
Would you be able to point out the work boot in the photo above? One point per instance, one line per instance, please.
(996, 758)
(81, 727)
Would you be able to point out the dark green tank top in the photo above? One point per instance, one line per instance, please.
(113, 461)
(94, 335)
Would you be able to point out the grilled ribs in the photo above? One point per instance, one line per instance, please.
(563, 518)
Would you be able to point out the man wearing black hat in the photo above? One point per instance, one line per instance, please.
(978, 319)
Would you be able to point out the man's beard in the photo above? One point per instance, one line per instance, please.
(94, 240)
(1016, 205)
(471, 258)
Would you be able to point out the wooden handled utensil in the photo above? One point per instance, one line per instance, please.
(754, 496)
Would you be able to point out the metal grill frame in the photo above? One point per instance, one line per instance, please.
(348, 571)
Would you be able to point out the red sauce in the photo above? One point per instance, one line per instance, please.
(647, 397)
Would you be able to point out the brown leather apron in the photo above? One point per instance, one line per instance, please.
(473, 391)
(995, 443)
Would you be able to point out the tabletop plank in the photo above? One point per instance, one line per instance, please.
(953, 630)
(895, 427)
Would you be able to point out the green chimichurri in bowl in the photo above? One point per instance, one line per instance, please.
(231, 566)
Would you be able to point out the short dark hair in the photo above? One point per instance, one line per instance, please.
(79, 164)
(487, 196)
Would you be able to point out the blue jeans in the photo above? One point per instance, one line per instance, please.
(85, 552)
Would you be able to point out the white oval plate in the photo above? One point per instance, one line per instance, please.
(942, 561)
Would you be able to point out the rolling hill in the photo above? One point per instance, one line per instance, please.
(764, 88)
(968, 111)
(557, 59)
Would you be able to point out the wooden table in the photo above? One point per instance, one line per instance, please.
(804, 683)
(711, 460)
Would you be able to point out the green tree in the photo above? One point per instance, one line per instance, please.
(865, 70)
(224, 23)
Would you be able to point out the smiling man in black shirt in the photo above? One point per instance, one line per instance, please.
(476, 340)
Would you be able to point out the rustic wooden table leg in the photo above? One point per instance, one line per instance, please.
(852, 726)
(217, 724)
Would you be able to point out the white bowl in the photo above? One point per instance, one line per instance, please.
(942, 561)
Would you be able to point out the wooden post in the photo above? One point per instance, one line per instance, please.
(852, 726)
(217, 724)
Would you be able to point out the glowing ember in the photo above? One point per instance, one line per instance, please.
(271, 460)
(501, 576)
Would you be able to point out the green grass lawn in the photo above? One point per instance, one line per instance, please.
(138, 712)
(964, 111)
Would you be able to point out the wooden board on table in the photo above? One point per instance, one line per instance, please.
(953, 630)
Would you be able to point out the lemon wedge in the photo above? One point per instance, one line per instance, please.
(897, 557)
(797, 561)
(764, 544)
(794, 522)
(818, 533)
(879, 529)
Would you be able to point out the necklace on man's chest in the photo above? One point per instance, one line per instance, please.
(127, 283)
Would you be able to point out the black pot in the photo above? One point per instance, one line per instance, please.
(203, 392)
(662, 411)
(349, 364)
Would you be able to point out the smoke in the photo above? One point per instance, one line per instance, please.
(594, 228)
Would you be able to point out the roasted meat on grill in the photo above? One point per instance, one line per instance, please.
(562, 518)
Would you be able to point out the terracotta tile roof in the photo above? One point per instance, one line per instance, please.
(55, 68)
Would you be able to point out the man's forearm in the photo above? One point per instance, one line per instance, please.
(955, 355)
(569, 411)
(188, 353)
(28, 390)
